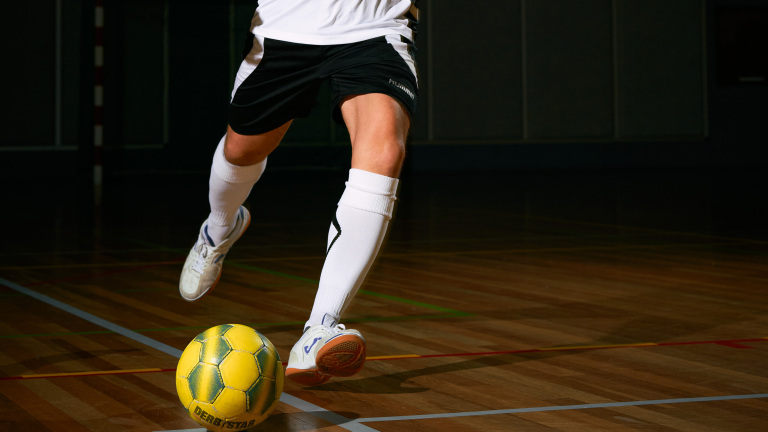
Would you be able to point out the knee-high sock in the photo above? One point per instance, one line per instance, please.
(228, 188)
(354, 239)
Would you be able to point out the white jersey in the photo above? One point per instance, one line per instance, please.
(331, 22)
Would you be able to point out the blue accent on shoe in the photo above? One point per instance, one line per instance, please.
(219, 258)
(205, 231)
(334, 337)
(307, 348)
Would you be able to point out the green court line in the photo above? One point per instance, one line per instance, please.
(271, 272)
(256, 325)
(315, 281)
(415, 303)
(366, 292)
(447, 313)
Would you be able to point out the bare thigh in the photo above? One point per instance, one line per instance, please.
(246, 150)
(378, 127)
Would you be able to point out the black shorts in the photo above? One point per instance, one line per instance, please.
(279, 81)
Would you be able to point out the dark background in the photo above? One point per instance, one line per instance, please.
(505, 85)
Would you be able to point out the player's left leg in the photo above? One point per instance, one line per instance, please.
(238, 162)
(378, 126)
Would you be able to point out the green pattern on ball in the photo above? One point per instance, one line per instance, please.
(214, 350)
(205, 382)
(213, 332)
(267, 361)
(229, 378)
(261, 395)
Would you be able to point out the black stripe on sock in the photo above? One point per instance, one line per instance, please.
(336, 225)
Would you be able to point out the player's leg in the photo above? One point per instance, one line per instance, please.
(238, 162)
(378, 127)
(274, 84)
(237, 165)
(373, 86)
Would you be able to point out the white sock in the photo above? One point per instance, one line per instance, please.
(354, 239)
(228, 188)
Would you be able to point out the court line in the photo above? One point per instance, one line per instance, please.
(254, 325)
(87, 373)
(293, 401)
(562, 408)
(366, 292)
(545, 409)
(735, 343)
(238, 262)
(94, 319)
(235, 263)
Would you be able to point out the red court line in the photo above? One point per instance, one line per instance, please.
(734, 343)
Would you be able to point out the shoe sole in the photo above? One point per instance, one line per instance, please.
(341, 356)
(216, 282)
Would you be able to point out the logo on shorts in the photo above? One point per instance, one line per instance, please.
(403, 88)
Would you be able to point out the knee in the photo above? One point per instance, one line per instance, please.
(251, 149)
(238, 154)
(382, 156)
(393, 152)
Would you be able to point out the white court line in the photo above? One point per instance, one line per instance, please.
(542, 409)
(563, 408)
(94, 319)
(343, 422)
(293, 401)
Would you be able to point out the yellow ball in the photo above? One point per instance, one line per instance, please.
(229, 377)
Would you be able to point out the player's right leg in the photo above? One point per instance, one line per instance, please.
(237, 165)
(267, 96)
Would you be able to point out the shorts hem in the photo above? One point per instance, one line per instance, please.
(256, 130)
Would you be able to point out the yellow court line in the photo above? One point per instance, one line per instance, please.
(393, 357)
(112, 372)
(389, 357)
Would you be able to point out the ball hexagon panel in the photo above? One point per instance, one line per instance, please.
(279, 380)
(268, 360)
(215, 350)
(213, 332)
(261, 396)
(206, 415)
(239, 370)
(184, 392)
(205, 382)
(189, 359)
(244, 338)
(231, 403)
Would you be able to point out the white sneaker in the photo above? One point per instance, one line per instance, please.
(202, 269)
(323, 352)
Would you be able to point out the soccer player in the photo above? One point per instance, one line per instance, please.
(364, 49)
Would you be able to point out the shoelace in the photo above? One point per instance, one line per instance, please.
(202, 257)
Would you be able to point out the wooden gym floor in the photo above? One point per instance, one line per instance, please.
(566, 301)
